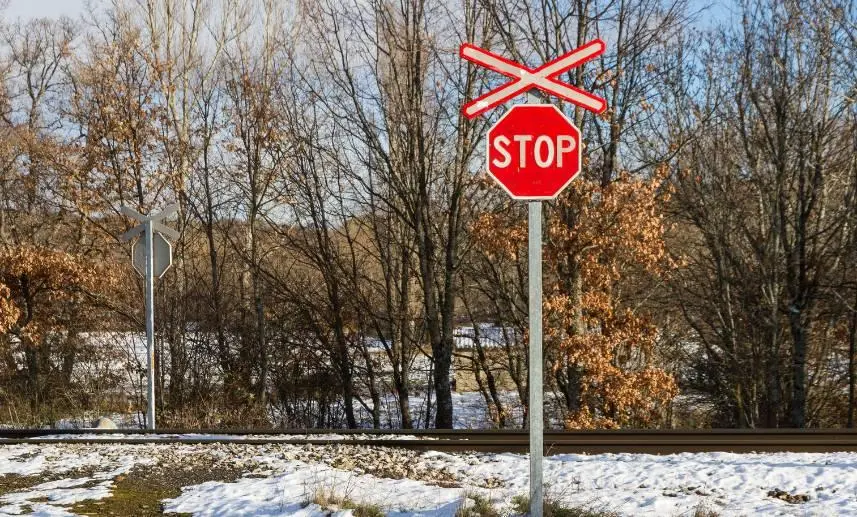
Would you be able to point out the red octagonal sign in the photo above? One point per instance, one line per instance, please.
(534, 151)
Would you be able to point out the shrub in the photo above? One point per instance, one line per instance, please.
(476, 505)
(329, 499)
(555, 508)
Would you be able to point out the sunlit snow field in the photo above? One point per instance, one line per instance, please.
(280, 480)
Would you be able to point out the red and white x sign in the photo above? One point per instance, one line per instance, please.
(525, 78)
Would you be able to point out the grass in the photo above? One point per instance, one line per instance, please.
(476, 505)
(329, 499)
(140, 492)
(129, 497)
(703, 511)
(555, 508)
(10, 483)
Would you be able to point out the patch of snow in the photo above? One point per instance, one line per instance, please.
(469, 411)
(37, 510)
(86, 420)
(291, 492)
(60, 495)
(50, 498)
(490, 336)
(628, 484)
(651, 485)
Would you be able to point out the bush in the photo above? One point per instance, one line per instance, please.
(703, 511)
(476, 505)
(555, 508)
(330, 500)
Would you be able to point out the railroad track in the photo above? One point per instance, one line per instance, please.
(556, 442)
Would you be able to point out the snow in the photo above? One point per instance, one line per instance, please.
(470, 411)
(288, 493)
(88, 418)
(50, 498)
(63, 492)
(490, 336)
(28, 460)
(641, 484)
(281, 480)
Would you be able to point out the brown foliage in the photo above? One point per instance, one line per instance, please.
(41, 289)
(9, 313)
(618, 230)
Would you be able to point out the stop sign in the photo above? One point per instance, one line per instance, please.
(533, 151)
(162, 252)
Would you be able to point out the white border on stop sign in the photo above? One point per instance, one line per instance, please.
(564, 185)
(139, 243)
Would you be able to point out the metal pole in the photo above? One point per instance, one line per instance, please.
(150, 324)
(535, 410)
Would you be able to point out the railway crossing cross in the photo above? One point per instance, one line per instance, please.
(151, 260)
(533, 153)
(524, 78)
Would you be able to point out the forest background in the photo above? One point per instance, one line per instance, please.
(338, 228)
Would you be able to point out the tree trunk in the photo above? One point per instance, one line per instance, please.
(348, 399)
(406, 345)
(404, 405)
(216, 297)
(436, 321)
(372, 381)
(261, 341)
(799, 347)
(442, 359)
(852, 350)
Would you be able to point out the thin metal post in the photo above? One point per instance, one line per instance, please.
(535, 384)
(150, 324)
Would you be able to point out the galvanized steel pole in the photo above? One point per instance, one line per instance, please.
(535, 384)
(536, 424)
(150, 323)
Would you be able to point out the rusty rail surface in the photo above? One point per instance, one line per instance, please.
(556, 442)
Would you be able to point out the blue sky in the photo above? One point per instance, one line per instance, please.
(716, 10)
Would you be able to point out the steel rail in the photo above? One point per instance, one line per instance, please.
(555, 442)
(439, 433)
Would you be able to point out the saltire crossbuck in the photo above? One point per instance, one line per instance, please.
(544, 78)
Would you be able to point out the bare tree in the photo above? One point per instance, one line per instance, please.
(382, 66)
(770, 219)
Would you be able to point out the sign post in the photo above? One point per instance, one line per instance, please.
(534, 153)
(155, 259)
(150, 324)
(534, 259)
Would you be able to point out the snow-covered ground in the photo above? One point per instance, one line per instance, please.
(273, 480)
(470, 412)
